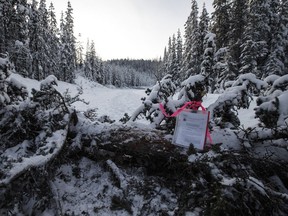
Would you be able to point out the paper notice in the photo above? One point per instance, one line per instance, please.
(191, 128)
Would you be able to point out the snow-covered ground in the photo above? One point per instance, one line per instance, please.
(85, 186)
(115, 102)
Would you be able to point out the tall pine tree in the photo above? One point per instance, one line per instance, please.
(239, 16)
(192, 45)
(221, 22)
(53, 42)
(68, 46)
(203, 29)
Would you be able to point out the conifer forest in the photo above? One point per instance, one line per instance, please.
(62, 154)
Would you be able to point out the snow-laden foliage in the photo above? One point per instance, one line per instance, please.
(271, 79)
(279, 84)
(193, 89)
(32, 130)
(158, 94)
(251, 83)
(224, 110)
(272, 108)
(11, 90)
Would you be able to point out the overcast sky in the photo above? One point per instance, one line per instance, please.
(128, 28)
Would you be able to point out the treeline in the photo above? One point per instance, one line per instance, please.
(30, 36)
(132, 72)
(141, 65)
(240, 37)
(37, 46)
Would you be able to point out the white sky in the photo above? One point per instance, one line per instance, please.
(128, 28)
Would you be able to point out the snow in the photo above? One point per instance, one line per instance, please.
(192, 80)
(17, 84)
(244, 78)
(271, 79)
(3, 61)
(116, 102)
(92, 191)
(210, 37)
(280, 81)
(18, 43)
(48, 82)
(57, 141)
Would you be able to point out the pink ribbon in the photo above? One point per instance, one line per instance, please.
(188, 105)
(194, 105)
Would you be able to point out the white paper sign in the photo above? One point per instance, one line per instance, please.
(191, 128)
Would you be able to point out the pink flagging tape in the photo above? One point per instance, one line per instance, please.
(194, 105)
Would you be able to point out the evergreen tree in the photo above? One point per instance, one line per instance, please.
(208, 59)
(39, 40)
(163, 66)
(86, 67)
(248, 58)
(19, 47)
(192, 46)
(168, 60)
(172, 59)
(239, 16)
(203, 28)
(257, 38)
(35, 41)
(68, 45)
(179, 54)
(261, 31)
(221, 71)
(91, 62)
(79, 53)
(284, 31)
(93, 65)
(221, 22)
(7, 17)
(276, 57)
(54, 43)
(43, 39)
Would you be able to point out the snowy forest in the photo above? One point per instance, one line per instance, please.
(61, 154)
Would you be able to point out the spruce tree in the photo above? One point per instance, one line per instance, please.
(7, 24)
(248, 58)
(179, 54)
(93, 65)
(239, 16)
(43, 39)
(256, 36)
(221, 22)
(207, 65)
(53, 41)
(192, 46)
(68, 45)
(79, 53)
(284, 31)
(19, 47)
(276, 58)
(163, 66)
(35, 43)
(172, 59)
(259, 20)
(203, 29)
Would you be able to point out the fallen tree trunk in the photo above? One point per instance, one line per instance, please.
(139, 172)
